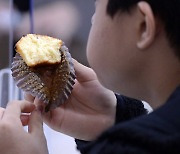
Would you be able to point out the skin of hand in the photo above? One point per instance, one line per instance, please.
(14, 139)
(88, 112)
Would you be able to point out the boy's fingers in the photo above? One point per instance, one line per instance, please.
(83, 73)
(35, 126)
(15, 108)
(38, 103)
(29, 97)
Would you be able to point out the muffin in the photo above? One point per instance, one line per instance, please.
(43, 67)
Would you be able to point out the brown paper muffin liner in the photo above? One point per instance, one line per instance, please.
(51, 84)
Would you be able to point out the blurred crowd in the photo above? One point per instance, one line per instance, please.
(68, 20)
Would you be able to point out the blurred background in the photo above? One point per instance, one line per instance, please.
(69, 20)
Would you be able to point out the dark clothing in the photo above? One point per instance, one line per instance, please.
(155, 133)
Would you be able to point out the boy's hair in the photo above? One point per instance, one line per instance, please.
(168, 11)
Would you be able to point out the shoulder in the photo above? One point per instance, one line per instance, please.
(145, 134)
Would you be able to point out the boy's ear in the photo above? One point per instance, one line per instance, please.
(146, 26)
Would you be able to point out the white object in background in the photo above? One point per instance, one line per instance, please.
(59, 143)
(8, 89)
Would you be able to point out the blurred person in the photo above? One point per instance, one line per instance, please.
(56, 19)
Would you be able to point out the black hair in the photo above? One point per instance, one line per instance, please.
(168, 11)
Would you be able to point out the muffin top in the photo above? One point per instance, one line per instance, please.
(39, 50)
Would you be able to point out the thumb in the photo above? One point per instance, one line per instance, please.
(83, 73)
(35, 126)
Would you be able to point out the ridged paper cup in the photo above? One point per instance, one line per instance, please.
(52, 84)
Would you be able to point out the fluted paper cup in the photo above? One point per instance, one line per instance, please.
(52, 84)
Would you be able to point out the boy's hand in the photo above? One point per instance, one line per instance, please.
(14, 139)
(88, 112)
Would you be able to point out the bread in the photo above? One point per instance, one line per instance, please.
(39, 50)
(43, 67)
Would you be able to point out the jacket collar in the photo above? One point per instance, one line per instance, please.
(171, 109)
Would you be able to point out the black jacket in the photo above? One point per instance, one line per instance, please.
(154, 133)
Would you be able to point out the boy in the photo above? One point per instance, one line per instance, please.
(134, 49)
